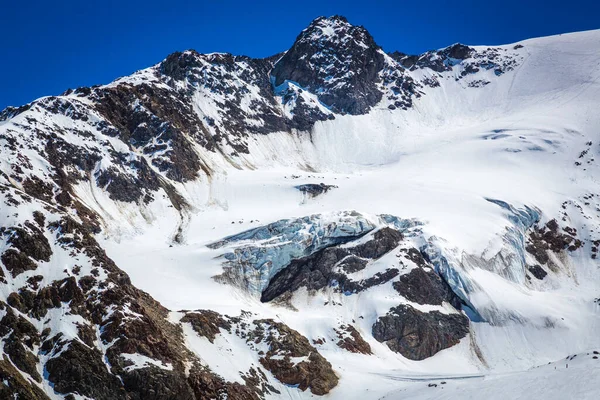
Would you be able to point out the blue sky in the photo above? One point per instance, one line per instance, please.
(49, 46)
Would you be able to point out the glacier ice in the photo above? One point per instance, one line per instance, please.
(256, 255)
(259, 253)
(509, 262)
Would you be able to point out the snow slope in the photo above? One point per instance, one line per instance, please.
(516, 139)
(528, 138)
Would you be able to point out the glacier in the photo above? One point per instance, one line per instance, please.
(468, 153)
(258, 254)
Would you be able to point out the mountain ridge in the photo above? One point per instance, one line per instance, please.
(205, 229)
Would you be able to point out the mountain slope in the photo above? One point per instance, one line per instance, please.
(330, 213)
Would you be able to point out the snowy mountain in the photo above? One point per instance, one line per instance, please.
(334, 221)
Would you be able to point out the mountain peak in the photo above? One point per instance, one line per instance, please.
(336, 60)
(327, 31)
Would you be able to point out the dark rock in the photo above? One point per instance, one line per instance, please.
(154, 383)
(39, 189)
(80, 369)
(416, 256)
(320, 63)
(214, 72)
(165, 115)
(17, 262)
(30, 241)
(352, 264)
(549, 238)
(207, 323)
(16, 386)
(426, 287)
(537, 271)
(314, 190)
(20, 338)
(34, 281)
(206, 385)
(351, 340)
(384, 240)
(349, 286)
(177, 65)
(315, 373)
(459, 51)
(418, 335)
(318, 270)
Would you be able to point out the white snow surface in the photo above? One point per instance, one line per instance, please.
(516, 140)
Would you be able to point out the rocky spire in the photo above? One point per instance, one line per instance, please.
(336, 60)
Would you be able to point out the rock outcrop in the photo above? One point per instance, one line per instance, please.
(337, 60)
(314, 189)
(329, 267)
(424, 286)
(252, 266)
(418, 335)
(285, 347)
(350, 339)
(549, 238)
(283, 351)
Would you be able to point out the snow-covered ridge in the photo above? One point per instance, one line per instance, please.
(493, 149)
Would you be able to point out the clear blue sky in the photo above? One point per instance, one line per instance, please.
(49, 46)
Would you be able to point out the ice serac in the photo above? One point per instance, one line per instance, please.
(511, 256)
(256, 255)
(510, 262)
(507, 261)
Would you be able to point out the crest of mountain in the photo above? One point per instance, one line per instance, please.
(220, 226)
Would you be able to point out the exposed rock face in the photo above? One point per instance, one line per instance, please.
(252, 266)
(20, 337)
(538, 272)
(80, 369)
(351, 340)
(418, 335)
(29, 240)
(233, 79)
(207, 323)
(549, 238)
(14, 384)
(467, 59)
(161, 125)
(426, 287)
(339, 61)
(314, 372)
(314, 190)
(283, 351)
(207, 385)
(322, 268)
(17, 262)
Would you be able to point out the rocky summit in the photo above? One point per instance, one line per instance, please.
(336, 220)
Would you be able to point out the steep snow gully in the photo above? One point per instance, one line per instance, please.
(332, 221)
